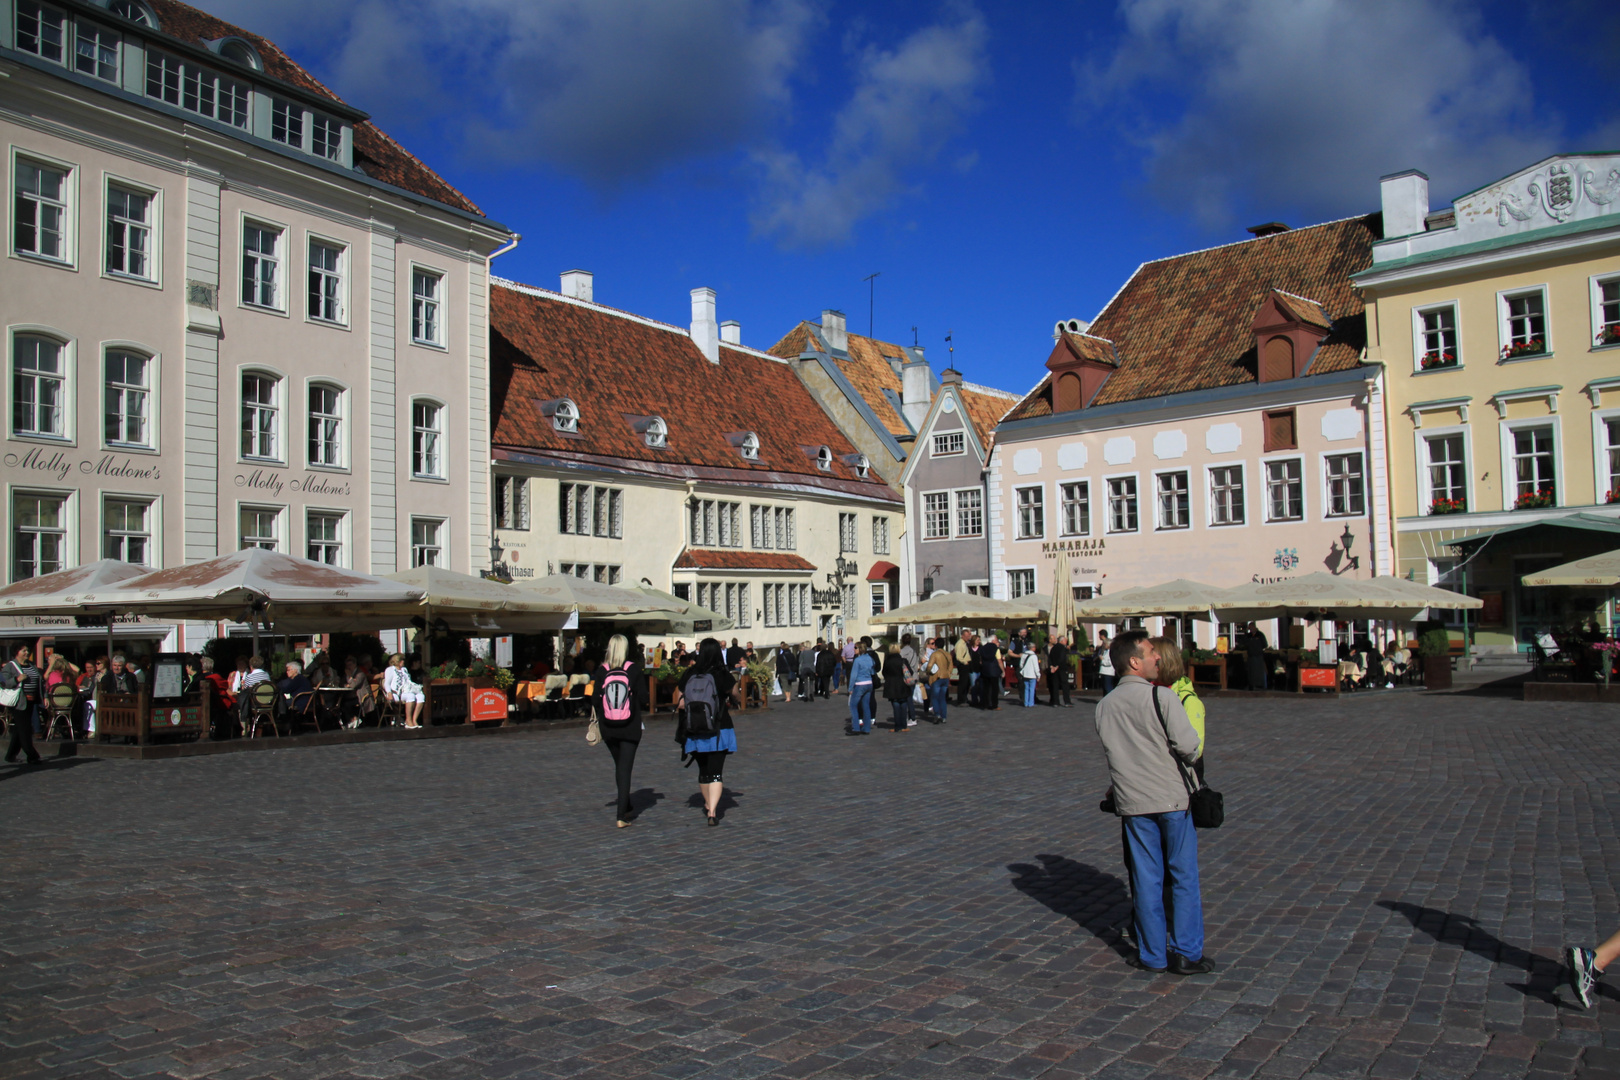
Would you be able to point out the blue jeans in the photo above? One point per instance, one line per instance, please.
(861, 712)
(938, 695)
(1108, 688)
(1161, 844)
(838, 674)
(1029, 693)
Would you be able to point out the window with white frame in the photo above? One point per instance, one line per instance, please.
(1534, 477)
(41, 31)
(427, 542)
(880, 535)
(880, 597)
(184, 85)
(949, 442)
(326, 137)
(590, 510)
(848, 539)
(1122, 506)
(760, 533)
(773, 603)
(1437, 337)
(1226, 495)
(1075, 500)
(129, 233)
(1606, 311)
(326, 281)
(127, 530)
(1031, 512)
(95, 51)
(128, 396)
(1448, 474)
(787, 538)
(607, 574)
(824, 459)
(326, 425)
(40, 211)
(261, 416)
(427, 439)
(38, 387)
(427, 326)
(1020, 583)
(1609, 467)
(1175, 500)
(1524, 323)
(937, 515)
(133, 10)
(750, 446)
(512, 503)
(565, 417)
(863, 467)
(287, 123)
(324, 530)
(38, 534)
(1346, 485)
(970, 512)
(261, 265)
(260, 527)
(1285, 490)
(657, 433)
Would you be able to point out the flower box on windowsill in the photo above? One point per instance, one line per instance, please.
(1436, 361)
(1612, 497)
(1609, 335)
(1523, 350)
(1448, 506)
(1535, 500)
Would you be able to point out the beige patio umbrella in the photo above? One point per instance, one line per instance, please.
(470, 603)
(593, 597)
(1428, 595)
(964, 609)
(1178, 597)
(1602, 570)
(691, 621)
(1062, 613)
(1368, 598)
(67, 591)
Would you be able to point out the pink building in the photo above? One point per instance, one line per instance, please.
(1216, 422)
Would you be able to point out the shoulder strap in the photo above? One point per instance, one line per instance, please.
(1187, 778)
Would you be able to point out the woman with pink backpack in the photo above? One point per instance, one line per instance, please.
(618, 696)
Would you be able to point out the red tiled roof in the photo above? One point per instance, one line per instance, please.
(867, 369)
(709, 559)
(375, 153)
(544, 347)
(985, 408)
(1184, 323)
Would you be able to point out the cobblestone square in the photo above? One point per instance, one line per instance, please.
(1388, 899)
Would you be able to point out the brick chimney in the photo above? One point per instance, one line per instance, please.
(705, 332)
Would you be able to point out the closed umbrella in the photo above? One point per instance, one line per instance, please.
(1062, 613)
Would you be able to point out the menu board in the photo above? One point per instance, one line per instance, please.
(168, 679)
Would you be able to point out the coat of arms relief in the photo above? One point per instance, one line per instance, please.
(1557, 192)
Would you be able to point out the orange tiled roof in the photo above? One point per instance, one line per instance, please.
(1184, 323)
(618, 367)
(867, 369)
(731, 559)
(985, 408)
(375, 153)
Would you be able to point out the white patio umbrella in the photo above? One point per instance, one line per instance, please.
(1178, 597)
(1602, 570)
(1368, 598)
(568, 593)
(964, 609)
(469, 603)
(66, 591)
(688, 623)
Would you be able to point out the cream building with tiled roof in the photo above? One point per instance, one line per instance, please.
(235, 311)
(629, 450)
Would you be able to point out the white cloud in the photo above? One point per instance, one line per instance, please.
(1259, 105)
(906, 105)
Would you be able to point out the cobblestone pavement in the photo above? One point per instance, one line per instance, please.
(1387, 899)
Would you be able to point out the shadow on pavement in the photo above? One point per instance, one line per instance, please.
(1544, 975)
(641, 800)
(1093, 898)
(728, 800)
(58, 764)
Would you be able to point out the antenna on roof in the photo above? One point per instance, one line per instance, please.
(871, 299)
(913, 337)
(949, 347)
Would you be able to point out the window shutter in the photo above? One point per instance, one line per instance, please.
(1279, 433)
(1277, 361)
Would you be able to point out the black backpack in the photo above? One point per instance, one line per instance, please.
(700, 714)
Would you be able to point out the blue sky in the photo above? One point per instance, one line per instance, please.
(1001, 166)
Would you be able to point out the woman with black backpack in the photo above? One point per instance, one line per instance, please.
(703, 721)
(898, 679)
(618, 696)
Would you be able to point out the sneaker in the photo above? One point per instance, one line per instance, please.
(1582, 975)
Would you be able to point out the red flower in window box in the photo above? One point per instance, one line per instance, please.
(1533, 347)
(1448, 506)
(1613, 496)
(1609, 335)
(1535, 500)
(1437, 358)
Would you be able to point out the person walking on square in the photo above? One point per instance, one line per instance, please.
(1057, 672)
(710, 751)
(963, 655)
(1029, 673)
(20, 674)
(989, 684)
(938, 672)
(898, 679)
(863, 672)
(1586, 966)
(618, 697)
(1254, 648)
(826, 658)
(1105, 662)
(1150, 794)
(807, 672)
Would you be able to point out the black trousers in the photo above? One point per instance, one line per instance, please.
(822, 682)
(624, 760)
(963, 682)
(21, 724)
(1057, 683)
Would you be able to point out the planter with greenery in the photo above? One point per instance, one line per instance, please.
(1437, 358)
(1536, 500)
(1533, 347)
(1448, 506)
(1434, 646)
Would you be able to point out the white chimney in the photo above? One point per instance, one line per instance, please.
(731, 332)
(917, 387)
(833, 331)
(1406, 202)
(578, 284)
(705, 334)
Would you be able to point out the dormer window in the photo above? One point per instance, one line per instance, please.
(566, 417)
(824, 459)
(238, 51)
(862, 466)
(750, 446)
(133, 11)
(657, 433)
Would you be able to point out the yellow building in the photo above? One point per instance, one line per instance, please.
(1498, 322)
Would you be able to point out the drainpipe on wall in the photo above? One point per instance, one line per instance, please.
(504, 248)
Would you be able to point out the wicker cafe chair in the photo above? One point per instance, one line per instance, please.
(59, 705)
(262, 702)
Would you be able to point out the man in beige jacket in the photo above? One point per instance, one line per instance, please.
(1141, 727)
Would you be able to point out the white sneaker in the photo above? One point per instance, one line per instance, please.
(1582, 975)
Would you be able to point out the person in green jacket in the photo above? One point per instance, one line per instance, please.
(1173, 673)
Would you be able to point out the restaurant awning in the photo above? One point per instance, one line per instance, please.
(1581, 522)
(881, 570)
(1601, 570)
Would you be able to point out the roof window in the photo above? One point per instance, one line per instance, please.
(566, 416)
(824, 459)
(862, 466)
(657, 434)
(749, 447)
(134, 11)
(238, 51)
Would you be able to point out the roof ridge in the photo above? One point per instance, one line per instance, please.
(1296, 296)
(980, 388)
(1259, 239)
(547, 294)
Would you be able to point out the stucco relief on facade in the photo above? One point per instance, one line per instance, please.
(1072, 455)
(1169, 445)
(1223, 438)
(1027, 462)
(1120, 450)
(1340, 424)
